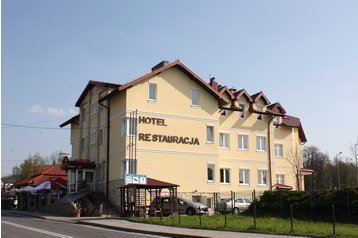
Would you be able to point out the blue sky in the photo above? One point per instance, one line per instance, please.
(303, 54)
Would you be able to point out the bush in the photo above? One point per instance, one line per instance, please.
(317, 207)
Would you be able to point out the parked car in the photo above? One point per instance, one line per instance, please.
(185, 206)
(240, 205)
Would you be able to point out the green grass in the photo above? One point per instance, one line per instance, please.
(263, 225)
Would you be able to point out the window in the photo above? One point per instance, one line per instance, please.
(89, 178)
(260, 143)
(224, 175)
(278, 150)
(259, 108)
(224, 140)
(243, 142)
(280, 178)
(152, 92)
(71, 181)
(242, 113)
(82, 145)
(129, 126)
(211, 172)
(195, 97)
(100, 136)
(83, 114)
(277, 121)
(128, 166)
(262, 177)
(244, 176)
(210, 134)
(223, 112)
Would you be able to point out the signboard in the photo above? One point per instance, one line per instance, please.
(135, 179)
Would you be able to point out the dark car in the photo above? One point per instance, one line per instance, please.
(185, 206)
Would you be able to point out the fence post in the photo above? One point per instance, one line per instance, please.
(291, 218)
(281, 205)
(254, 217)
(348, 206)
(216, 204)
(200, 216)
(232, 202)
(333, 220)
(225, 212)
(179, 217)
(161, 213)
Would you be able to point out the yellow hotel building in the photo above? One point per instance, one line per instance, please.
(172, 126)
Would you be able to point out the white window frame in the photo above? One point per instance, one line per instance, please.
(262, 176)
(71, 181)
(195, 97)
(224, 140)
(260, 143)
(226, 176)
(244, 176)
(212, 167)
(278, 150)
(209, 133)
(124, 167)
(280, 178)
(128, 130)
(150, 96)
(242, 138)
(81, 175)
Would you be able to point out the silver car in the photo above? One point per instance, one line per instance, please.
(240, 205)
(185, 206)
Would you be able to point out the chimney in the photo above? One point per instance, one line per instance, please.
(161, 64)
(214, 84)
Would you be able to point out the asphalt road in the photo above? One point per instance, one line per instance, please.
(16, 225)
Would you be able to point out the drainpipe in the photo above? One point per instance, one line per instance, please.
(107, 163)
(269, 151)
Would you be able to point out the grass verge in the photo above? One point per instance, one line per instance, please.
(242, 223)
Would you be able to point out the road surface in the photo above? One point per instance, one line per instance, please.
(19, 226)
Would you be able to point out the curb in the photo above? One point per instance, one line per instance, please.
(154, 233)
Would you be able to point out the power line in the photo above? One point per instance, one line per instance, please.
(47, 128)
(32, 127)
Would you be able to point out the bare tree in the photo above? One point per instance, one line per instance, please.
(54, 158)
(294, 157)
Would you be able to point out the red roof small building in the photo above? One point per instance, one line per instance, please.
(50, 172)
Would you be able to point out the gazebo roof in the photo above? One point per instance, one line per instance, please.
(151, 184)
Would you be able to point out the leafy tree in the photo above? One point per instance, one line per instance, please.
(31, 166)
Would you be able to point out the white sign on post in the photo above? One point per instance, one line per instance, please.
(135, 179)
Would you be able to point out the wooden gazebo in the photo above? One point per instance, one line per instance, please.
(134, 197)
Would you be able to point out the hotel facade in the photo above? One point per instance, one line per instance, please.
(172, 126)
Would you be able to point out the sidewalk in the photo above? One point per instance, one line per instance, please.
(128, 226)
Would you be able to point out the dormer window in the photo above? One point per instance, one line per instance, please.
(242, 112)
(223, 112)
(260, 109)
(277, 121)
